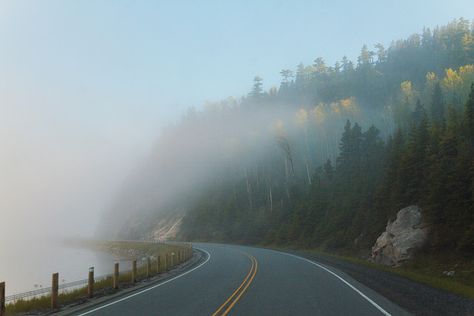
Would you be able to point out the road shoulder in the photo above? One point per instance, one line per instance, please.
(416, 298)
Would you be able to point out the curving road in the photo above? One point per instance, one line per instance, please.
(238, 280)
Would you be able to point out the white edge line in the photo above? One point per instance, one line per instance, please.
(150, 288)
(340, 278)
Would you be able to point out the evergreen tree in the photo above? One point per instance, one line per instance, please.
(419, 114)
(344, 147)
(414, 162)
(328, 170)
(257, 87)
(437, 106)
(469, 117)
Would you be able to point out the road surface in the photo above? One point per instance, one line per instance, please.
(238, 280)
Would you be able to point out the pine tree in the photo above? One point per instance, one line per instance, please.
(344, 147)
(257, 87)
(469, 117)
(419, 114)
(328, 170)
(414, 162)
(437, 106)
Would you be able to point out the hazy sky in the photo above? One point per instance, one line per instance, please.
(85, 86)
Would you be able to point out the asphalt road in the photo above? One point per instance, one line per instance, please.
(237, 280)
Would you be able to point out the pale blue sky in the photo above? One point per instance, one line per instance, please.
(149, 60)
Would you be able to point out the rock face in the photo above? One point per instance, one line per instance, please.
(167, 227)
(400, 238)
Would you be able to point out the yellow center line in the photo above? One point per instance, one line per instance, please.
(242, 288)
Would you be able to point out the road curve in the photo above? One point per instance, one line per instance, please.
(238, 280)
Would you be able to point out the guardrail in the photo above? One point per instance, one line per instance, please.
(147, 268)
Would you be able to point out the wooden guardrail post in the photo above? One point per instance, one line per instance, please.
(54, 290)
(115, 282)
(148, 267)
(90, 283)
(2, 299)
(134, 271)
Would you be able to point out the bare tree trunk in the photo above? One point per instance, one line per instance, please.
(287, 179)
(307, 155)
(307, 171)
(270, 195)
(285, 146)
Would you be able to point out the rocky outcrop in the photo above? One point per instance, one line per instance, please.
(167, 227)
(401, 237)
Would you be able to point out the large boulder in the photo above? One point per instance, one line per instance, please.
(401, 237)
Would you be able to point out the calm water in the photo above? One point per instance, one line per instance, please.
(29, 265)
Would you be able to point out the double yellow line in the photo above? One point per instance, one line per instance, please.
(225, 308)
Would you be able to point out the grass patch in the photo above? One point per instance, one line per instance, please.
(426, 269)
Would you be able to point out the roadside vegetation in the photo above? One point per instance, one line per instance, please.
(125, 250)
(426, 268)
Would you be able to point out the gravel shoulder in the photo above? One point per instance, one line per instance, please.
(414, 297)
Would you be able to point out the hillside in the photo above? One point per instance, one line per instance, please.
(325, 159)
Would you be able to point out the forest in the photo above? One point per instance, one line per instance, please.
(332, 154)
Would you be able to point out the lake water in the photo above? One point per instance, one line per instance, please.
(29, 266)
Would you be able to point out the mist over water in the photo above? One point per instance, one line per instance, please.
(57, 176)
(29, 265)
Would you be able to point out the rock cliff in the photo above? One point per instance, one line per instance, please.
(401, 237)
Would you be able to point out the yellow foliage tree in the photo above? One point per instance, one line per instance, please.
(466, 73)
(279, 128)
(335, 108)
(301, 117)
(407, 90)
(451, 79)
(431, 80)
(451, 82)
(431, 77)
(319, 113)
(350, 106)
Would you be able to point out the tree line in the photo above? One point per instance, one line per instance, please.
(312, 190)
(329, 156)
